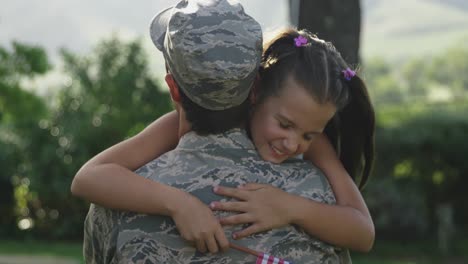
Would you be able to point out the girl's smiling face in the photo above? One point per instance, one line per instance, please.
(284, 125)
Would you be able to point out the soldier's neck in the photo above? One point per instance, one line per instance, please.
(184, 125)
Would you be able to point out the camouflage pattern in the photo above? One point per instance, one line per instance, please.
(212, 48)
(196, 165)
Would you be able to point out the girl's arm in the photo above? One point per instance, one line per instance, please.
(108, 178)
(347, 224)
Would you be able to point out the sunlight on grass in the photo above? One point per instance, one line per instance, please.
(44, 248)
(383, 252)
(380, 261)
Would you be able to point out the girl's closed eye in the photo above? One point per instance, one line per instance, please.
(310, 136)
(284, 125)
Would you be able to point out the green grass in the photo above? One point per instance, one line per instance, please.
(382, 253)
(43, 248)
(412, 253)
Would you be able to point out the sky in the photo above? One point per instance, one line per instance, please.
(397, 28)
(78, 25)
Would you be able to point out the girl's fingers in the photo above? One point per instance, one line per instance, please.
(246, 232)
(201, 246)
(236, 219)
(223, 242)
(228, 206)
(211, 244)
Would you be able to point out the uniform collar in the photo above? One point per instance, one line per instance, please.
(234, 138)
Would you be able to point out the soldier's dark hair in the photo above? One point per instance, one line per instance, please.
(318, 66)
(204, 121)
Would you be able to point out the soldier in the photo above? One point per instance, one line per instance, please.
(212, 51)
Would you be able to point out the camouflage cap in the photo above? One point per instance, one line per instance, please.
(212, 48)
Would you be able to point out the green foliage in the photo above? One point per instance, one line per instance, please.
(439, 78)
(417, 81)
(451, 68)
(29, 60)
(23, 61)
(109, 94)
(16, 104)
(399, 209)
(20, 111)
(383, 86)
(421, 113)
(420, 164)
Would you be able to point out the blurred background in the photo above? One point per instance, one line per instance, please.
(79, 76)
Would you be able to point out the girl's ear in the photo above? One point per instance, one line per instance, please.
(173, 87)
(254, 92)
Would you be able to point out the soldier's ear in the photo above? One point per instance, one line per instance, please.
(173, 87)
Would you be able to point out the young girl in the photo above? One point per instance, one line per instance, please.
(299, 71)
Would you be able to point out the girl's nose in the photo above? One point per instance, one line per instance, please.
(291, 145)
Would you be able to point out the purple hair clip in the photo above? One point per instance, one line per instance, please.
(300, 41)
(348, 74)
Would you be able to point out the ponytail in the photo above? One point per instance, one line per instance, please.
(351, 132)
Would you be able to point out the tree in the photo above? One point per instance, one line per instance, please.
(333, 20)
(20, 111)
(110, 95)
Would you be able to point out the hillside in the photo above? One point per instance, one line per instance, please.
(401, 28)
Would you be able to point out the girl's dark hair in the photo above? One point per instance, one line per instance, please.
(318, 66)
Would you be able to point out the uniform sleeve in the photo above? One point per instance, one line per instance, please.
(100, 235)
(144, 250)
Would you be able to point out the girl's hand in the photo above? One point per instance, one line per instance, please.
(198, 225)
(263, 206)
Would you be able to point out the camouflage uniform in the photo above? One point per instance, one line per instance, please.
(195, 166)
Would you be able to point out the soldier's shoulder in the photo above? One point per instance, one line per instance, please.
(300, 164)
